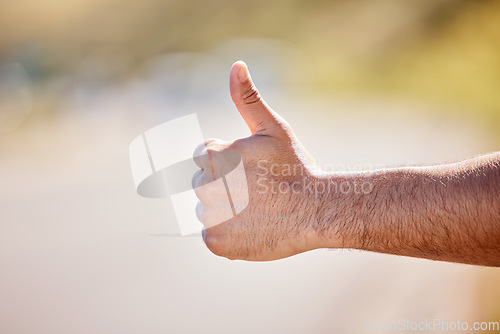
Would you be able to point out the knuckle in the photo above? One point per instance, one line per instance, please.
(210, 214)
(207, 190)
(202, 148)
(201, 193)
(203, 152)
(209, 147)
(200, 160)
(197, 179)
(198, 151)
(215, 243)
(212, 144)
(200, 212)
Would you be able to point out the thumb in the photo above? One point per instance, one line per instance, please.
(256, 113)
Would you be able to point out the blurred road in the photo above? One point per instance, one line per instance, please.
(79, 251)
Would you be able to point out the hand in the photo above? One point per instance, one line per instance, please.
(444, 212)
(281, 216)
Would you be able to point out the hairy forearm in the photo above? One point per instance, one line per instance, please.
(448, 212)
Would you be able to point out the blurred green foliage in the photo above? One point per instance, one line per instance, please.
(445, 51)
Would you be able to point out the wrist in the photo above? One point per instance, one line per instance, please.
(338, 199)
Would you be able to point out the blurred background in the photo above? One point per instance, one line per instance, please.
(365, 84)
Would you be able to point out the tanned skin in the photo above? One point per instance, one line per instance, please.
(447, 212)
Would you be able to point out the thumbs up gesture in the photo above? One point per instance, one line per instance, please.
(281, 217)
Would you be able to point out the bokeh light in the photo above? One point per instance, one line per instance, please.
(363, 83)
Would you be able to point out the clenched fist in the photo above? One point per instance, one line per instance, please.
(281, 216)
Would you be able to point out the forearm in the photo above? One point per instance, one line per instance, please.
(448, 212)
